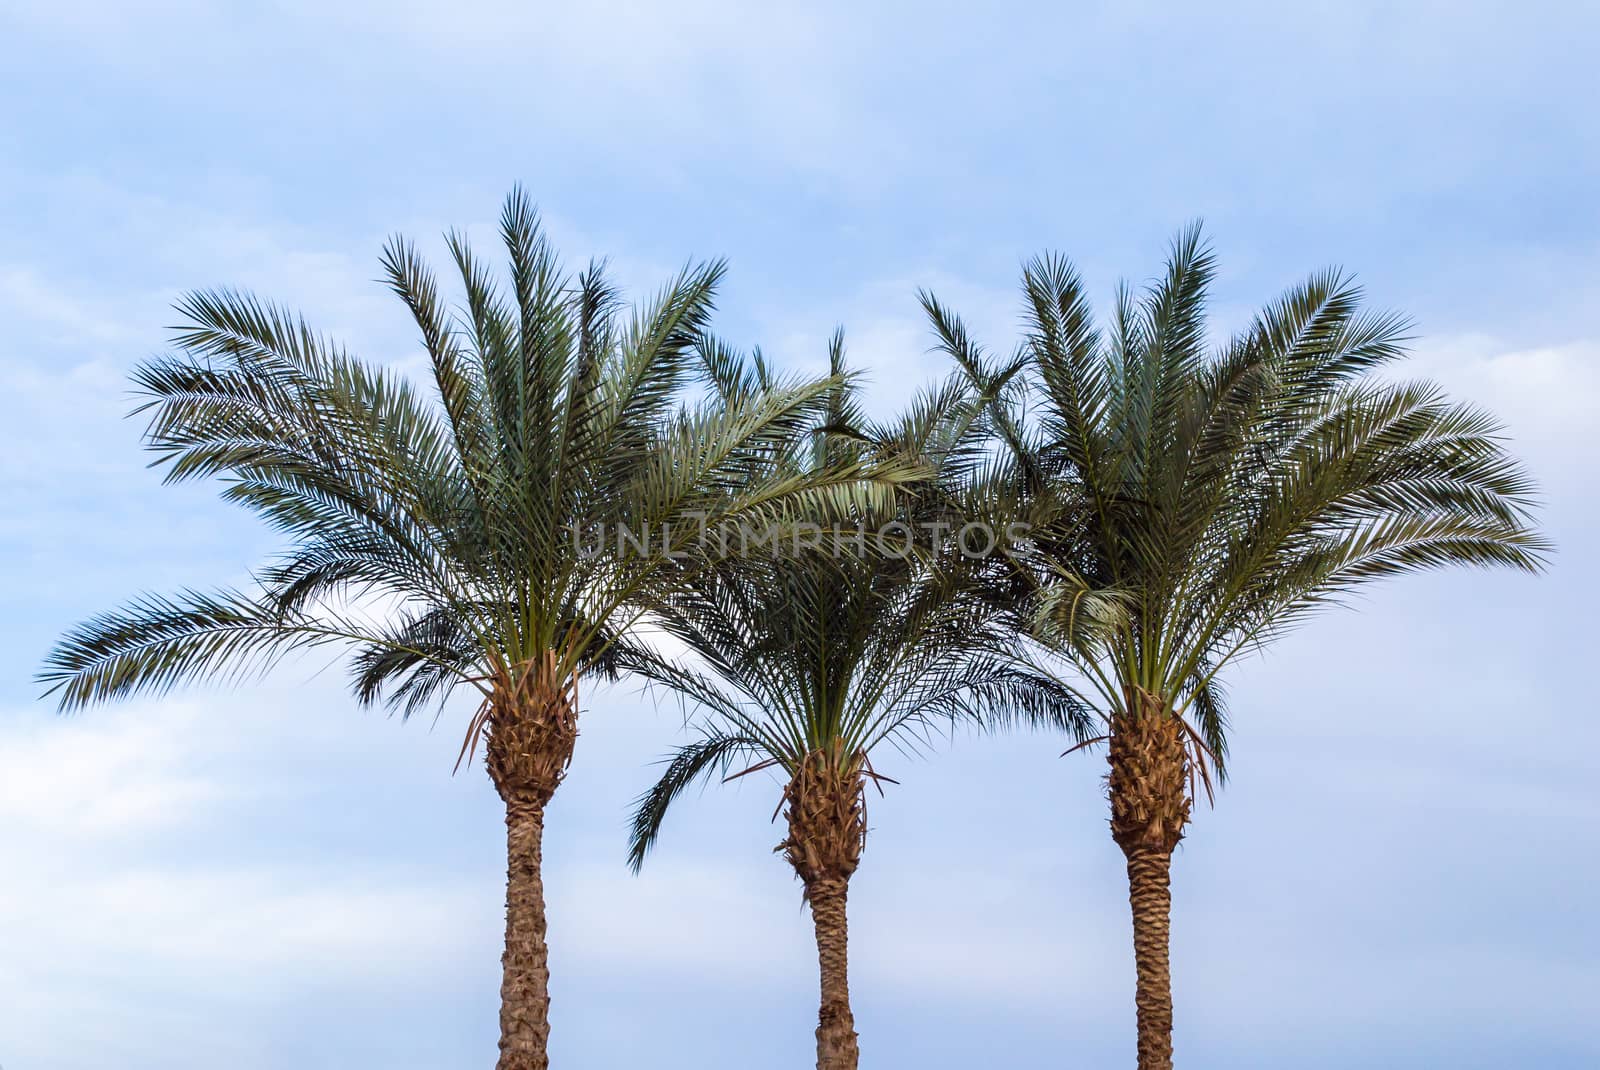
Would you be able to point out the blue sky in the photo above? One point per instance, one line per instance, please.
(1400, 874)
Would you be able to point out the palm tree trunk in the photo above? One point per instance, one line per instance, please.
(532, 726)
(1149, 790)
(525, 980)
(1150, 895)
(826, 809)
(836, 1026)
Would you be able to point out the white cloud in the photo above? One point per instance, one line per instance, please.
(108, 776)
(1546, 396)
(63, 317)
(685, 915)
(887, 336)
(624, 79)
(187, 846)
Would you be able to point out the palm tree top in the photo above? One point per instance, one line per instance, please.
(1205, 498)
(447, 534)
(833, 653)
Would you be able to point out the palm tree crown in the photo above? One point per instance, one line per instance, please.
(1207, 499)
(489, 513)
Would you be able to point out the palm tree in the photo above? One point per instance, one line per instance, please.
(1208, 499)
(817, 660)
(496, 534)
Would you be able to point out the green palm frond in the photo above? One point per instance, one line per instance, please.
(156, 643)
(1192, 501)
(842, 653)
(712, 754)
(551, 409)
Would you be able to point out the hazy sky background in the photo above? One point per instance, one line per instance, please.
(1400, 875)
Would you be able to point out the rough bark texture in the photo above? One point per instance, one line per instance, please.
(1148, 786)
(1150, 895)
(826, 812)
(836, 1026)
(531, 726)
(525, 978)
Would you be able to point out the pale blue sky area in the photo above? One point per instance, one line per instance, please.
(1401, 873)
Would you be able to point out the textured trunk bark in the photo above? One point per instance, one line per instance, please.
(525, 982)
(1149, 790)
(827, 813)
(1150, 895)
(836, 1026)
(531, 724)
